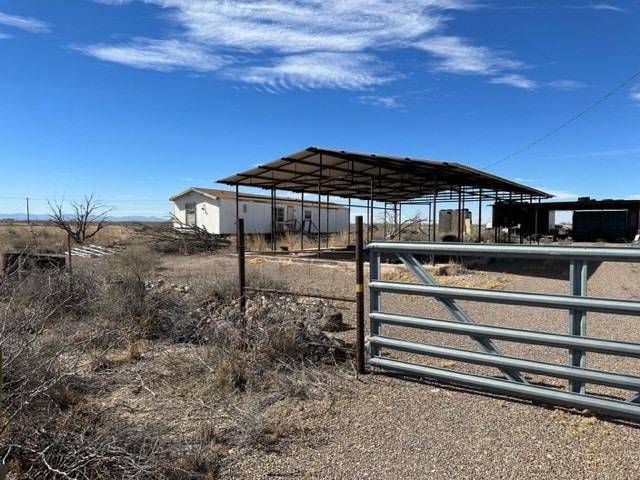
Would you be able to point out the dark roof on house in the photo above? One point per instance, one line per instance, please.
(215, 193)
(382, 178)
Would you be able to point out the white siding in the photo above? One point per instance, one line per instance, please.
(219, 215)
(207, 210)
(257, 218)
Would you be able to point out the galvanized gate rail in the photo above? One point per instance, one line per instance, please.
(577, 303)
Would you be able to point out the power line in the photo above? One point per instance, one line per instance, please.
(108, 200)
(571, 120)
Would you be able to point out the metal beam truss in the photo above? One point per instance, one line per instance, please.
(513, 383)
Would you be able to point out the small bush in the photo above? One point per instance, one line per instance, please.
(70, 341)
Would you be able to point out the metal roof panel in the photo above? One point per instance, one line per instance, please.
(387, 178)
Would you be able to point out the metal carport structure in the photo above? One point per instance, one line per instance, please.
(383, 179)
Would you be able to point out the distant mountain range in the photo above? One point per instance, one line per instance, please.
(22, 217)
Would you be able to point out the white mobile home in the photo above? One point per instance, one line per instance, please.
(215, 211)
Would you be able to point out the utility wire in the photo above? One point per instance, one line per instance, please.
(571, 120)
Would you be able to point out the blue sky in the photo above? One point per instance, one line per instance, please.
(138, 100)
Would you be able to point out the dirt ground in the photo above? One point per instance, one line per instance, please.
(383, 426)
(329, 422)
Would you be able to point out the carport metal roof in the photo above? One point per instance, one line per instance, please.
(381, 178)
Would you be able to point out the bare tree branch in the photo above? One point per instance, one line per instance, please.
(176, 236)
(88, 218)
(416, 227)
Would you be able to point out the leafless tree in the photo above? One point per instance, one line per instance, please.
(414, 228)
(88, 218)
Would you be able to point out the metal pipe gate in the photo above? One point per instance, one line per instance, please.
(514, 383)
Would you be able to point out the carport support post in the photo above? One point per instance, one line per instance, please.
(495, 224)
(273, 220)
(302, 223)
(385, 221)
(241, 268)
(577, 319)
(435, 208)
(328, 226)
(460, 227)
(480, 216)
(319, 205)
(237, 209)
(371, 222)
(359, 297)
(349, 223)
(510, 215)
(536, 220)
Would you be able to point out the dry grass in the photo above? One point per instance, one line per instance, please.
(38, 238)
(42, 237)
(291, 241)
(256, 243)
(109, 386)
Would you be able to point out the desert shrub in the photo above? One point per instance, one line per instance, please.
(125, 298)
(84, 443)
(67, 341)
(257, 278)
(277, 335)
(50, 425)
(176, 318)
(138, 262)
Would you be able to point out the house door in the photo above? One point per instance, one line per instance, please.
(190, 214)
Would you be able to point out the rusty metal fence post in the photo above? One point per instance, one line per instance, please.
(69, 253)
(359, 297)
(242, 280)
(3, 467)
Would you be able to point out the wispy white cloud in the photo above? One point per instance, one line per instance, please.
(285, 43)
(29, 24)
(316, 70)
(634, 93)
(162, 55)
(279, 44)
(565, 85)
(457, 55)
(559, 6)
(312, 25)
(5, 36)
(604, 6)
(380, 101)
(515, 80)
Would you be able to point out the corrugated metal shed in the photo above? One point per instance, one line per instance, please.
(381, 178)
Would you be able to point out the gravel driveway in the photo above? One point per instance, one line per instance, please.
(386, 427)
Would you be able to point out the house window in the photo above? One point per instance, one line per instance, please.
(190, 213)
(307, 214)
(279, 214)
(244, 208)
